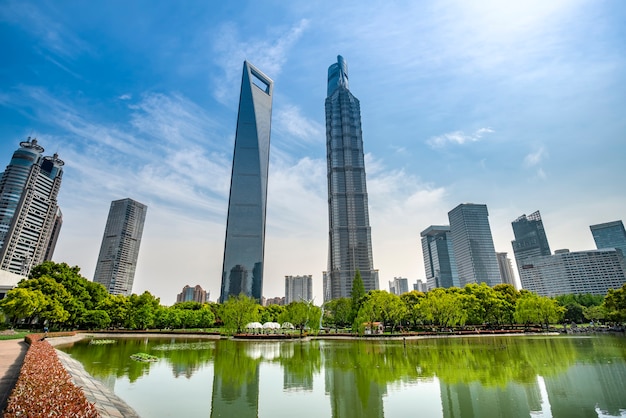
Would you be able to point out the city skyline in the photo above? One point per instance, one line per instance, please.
(514, 105)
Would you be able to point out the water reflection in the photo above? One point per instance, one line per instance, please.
(456, 378)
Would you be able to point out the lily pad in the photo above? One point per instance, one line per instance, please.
(144, 357)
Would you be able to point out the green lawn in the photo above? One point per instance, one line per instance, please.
(16, 336)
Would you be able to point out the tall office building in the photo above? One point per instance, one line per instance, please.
(29, 214)
(117, 261)
(298, 288)
(530, 239)
(399, 285)
(244, 246)
(506, 269)
(439, 261)
(472, 243)
(350, 240)
(609, 235)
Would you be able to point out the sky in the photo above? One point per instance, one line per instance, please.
(519, 105)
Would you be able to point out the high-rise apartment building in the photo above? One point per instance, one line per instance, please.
(298, 288)
(399, 285)
(530, 239)
(565, 272)
(244, 245)
(472, 243)
(506, 269)
(609, 235)
(30, 218)
(192, 294)
(350, 240)
(117, 261)
(439, 261)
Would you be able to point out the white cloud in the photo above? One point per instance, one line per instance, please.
(291, 123)
(534, 158)
(269, 55)
(458, 137)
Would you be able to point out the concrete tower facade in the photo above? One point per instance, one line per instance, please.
(244, 247)
(119, 251)
(30, 218)
(350, 241)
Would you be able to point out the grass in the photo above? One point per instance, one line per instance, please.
(16, 336)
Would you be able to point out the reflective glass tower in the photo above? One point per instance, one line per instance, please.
(530, 239)
(472, 242)
(439, 261)
(30, 218)
(242, 270)
(609, 235)
(350, 241)
(117, 261)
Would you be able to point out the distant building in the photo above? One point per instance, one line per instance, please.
(420, 286)
(591, 271)
(609, 235)
(30, 218)
(244, 247)
(439, 261)
(192, 294)
(117, 261)
(298, 288)
(273, 301)
(472, 243)
(506, 269)
(398, 285)
(8, 281)
(350, 238)
(530, 239)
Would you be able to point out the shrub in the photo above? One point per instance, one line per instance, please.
(44, 387)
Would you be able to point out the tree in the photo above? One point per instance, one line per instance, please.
(388, 308)
(534, 309)
(594, 313)
(337, 312)
(238, 311)
(116, 306)
(356, 295)
(443, 308)
(615, 304)
(301, 315)
(22, 303)
(411, 300)
(96, 319)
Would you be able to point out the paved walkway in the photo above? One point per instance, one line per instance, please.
(12, 354)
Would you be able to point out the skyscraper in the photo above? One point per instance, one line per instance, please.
(473, 245)
(117, 260)
(192, 294)
(244, 246)
(610, 235)
(298, 288)
(530, 239)
(398, 285)
(506, 270)
(439, 261)
(350, 241)
(29, 214)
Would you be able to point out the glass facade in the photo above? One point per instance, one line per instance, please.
(298, 288)
(439, 261)
(350, 242)
(610, 235)
(119, 250)
(473, 245)
(530, 239)
(30, 218)
(244, 246)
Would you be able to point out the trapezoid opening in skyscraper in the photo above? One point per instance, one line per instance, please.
(244, 246)
(350, 238)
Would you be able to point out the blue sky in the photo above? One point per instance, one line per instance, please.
(519, 105)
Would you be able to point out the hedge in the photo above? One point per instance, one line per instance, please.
(44, 387)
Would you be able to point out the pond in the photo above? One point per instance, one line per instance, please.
(482, 377)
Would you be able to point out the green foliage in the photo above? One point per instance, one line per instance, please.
(96, 319)
(238, 311)
(443, 308)
(356, 295)
(270, 313)
(22, 303)
(301, 315)
(615, 304)
(337, 313)
(534, 309)
(594, 313)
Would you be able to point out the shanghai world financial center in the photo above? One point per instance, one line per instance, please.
(350, 243)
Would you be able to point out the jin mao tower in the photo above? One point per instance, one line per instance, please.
(350, 241)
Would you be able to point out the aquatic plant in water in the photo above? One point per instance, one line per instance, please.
(144, 357)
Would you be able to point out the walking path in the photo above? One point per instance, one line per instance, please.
(12, 354)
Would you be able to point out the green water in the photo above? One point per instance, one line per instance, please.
(479, 377)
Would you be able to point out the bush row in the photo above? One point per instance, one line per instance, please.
(44, 387)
